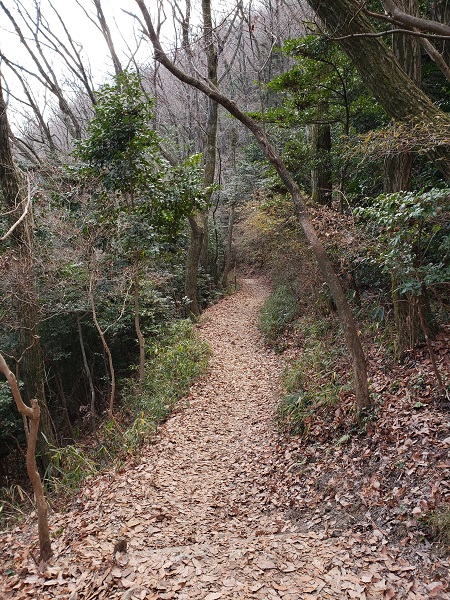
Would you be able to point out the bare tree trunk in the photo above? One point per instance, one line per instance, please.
(107, 35)
(227, 266)
(46, 72)
(88, 373)
(351, 335)
(197, 232)
(137, 326)
(60, 387)
(199, 223)
(319, 137)
(33, 415)
(107, 351)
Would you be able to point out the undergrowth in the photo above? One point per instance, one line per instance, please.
(280, 308)
(311, 382)
(438, 523)
(173, 362)
(172, 365)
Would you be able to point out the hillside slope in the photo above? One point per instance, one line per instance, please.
(195, 516)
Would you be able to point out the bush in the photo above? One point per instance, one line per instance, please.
(175, 361)
(279, 309)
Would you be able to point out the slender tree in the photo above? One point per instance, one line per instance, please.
(32, 415)
(345, 314)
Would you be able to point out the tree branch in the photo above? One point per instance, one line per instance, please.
(22, 217)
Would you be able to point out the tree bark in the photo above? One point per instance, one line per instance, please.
(107, 352)
(197, 232)
(32, 414)
(47, 74)
(200, 219)
(351, 335)
(137, 326)
(319, 137)
(88, 373)
(228, 250)
(108, 37)
(400, 97)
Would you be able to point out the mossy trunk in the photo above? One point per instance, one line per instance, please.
(197, 232)
(198, 241)
(319, 138)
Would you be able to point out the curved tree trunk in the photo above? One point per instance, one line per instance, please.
(88, 374)
(101, 333)
(32, 414)
(351, 335)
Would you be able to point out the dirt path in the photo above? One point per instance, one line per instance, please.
(194, 511)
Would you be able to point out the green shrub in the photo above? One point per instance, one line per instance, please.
(174, 363)
(70, 467)
(311, 382)
(305, 396)
(280, 308)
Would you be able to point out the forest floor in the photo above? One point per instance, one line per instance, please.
(198, 510)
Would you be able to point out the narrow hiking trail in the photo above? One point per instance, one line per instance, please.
(196, 512)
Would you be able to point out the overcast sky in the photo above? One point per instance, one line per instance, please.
(124, 28)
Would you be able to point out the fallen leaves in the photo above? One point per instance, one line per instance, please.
(204, 510)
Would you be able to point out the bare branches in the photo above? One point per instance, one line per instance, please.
(44, 68)
(107, 35)
(22, 217)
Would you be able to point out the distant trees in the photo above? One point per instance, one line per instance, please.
(350, 332)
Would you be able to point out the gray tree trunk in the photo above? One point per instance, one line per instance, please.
(198, 240)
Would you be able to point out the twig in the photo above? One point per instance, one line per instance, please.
(22, 217)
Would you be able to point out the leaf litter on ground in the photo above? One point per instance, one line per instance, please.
(223, 506)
